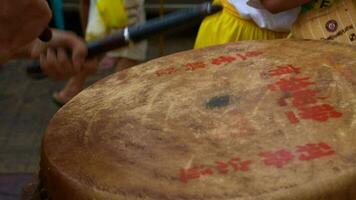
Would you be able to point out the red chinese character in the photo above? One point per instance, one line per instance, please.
(319, 113)
(194, 173)
(282, 101)
(284, 70)
(278, 158)
(206, 171)
(194, 66)
(291, 117)
(304, 97)
(223, 59)
(242, 57)
(291, 84)
(253, 53)
(313, 151)
(222, 167)
(240, 165)
(272, 87)
(167, 71)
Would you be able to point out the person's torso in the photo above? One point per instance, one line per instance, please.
(253, 10)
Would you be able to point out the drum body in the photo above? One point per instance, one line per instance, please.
(250, 120)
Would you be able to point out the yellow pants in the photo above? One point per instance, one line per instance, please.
(228, 26)
(113, 13)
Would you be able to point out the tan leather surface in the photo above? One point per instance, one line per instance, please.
(174, 127)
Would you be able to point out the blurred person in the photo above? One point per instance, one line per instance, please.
(101, 18)
(249, 20)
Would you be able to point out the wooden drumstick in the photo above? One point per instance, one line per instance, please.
(140, 32)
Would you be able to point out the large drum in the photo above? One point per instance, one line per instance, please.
(250, 120)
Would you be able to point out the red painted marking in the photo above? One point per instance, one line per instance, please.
(216, 61)
(222, 167)
(319, 113)
(207, 171)
(194, 173)
(272, 87)
(293, 84)
(223, 59)
(253, 53)
(302, 98)
(282, 101)
(248, 55)
(278, 158)
(236, 163)
(239, 165)
(241, 57)
(313, 151)
(194, 66)
(292, 118)
(187, 174)
(281, 70)
(167, 71)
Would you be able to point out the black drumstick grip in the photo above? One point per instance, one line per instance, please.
(137, 33)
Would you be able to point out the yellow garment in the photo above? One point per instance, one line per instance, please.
(228, 26)
(113, 13)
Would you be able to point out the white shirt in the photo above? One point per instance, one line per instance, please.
(253, 9)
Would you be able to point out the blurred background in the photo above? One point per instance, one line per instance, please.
(26, 106)
(152, 7)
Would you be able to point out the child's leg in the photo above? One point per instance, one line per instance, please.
(108, 62)
(73, 87)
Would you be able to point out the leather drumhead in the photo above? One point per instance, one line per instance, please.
(248, 120)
